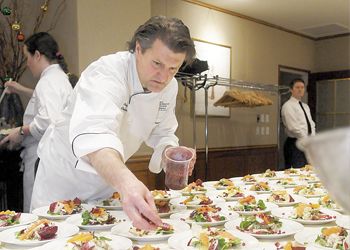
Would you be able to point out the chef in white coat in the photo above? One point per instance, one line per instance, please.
(49, 98)
(120, 101)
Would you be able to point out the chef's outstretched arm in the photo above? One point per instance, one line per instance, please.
(138, 202)
(15, 87)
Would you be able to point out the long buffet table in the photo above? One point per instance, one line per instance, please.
(299, 234)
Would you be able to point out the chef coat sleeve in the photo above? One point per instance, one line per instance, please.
(52, 98)
(97, 113)
(291, 121)
(163, 135)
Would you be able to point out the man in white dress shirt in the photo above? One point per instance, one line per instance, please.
(120, 101)
(298, 123)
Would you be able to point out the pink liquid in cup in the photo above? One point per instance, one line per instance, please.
(177, 160)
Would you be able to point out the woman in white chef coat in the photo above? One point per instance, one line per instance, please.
(49, 98)
(120, 101)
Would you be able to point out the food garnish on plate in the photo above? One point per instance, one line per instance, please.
(9, 218)
(231, 192)
(286, 182)
(87, 241)
(280, 196)
(290, 246)
(160, 194)
(248, 203)
(197, 199)
(97, 216)
(194, 187)
(261, 224)
(291, 171)
(40, 230)
(333, 237)
(114, 200)
(268, 173)
(145, 247)
(309, 190)
(213, 238)
(260, 186)
(309, 212)
(224, 183)
(327, 202)
(206, 214)
(164, 229)
(65, 207)
(248, 178)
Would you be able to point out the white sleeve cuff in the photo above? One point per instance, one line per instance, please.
(87, 143)
(156, 159)
(36, 133)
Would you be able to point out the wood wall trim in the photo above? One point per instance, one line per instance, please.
(232, 13)
(331, 37)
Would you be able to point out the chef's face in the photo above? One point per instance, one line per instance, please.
(32, 61)
(298, 90)
(157, 65)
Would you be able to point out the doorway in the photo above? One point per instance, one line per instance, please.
(285, 76)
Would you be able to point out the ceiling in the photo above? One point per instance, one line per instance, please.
(313, 18)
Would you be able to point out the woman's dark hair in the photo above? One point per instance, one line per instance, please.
(292, 83)
(47, 45)
(171, 31)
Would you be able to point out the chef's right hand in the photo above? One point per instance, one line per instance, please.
(138, 204)
(13, 87)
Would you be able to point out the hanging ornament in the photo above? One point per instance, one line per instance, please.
(20, 37)
(44, 7)
(16, 26)
(6, 11)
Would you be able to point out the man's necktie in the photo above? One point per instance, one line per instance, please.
(307, 119)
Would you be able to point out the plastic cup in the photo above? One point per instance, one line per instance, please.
(177, 160)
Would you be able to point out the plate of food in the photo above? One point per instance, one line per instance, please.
(292, 172)
(196, 187)
(38, 233)
(248, 179)
(164, 208)
(326, 238)
(223, 184)
(248, 205)
(327, 202)
(210, 238)
(196, 200)
(306, 214)
(114, 202)
(205, 216)
(265, 226)
(10, 219)
(309, 191)
(162, 232)
(260, 187)
(97, 219)
(229, 194)
(283, 199)
(60, 210)
(288, 182)
(269, 174)
(308, 178)
(90, 240)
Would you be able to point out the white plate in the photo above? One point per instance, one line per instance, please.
(219, 194)
(99, 203)
(122, 229)
(287, 212)
(177, 202)
(173, 209)
(210, 185)
(116, 243)
(269, 207)
(297, 199)
(172, 194)
(183, 216)
(77, 220)
(288, 227)
(23, 220)
(343, 221)
(180, 240)
(316, 200)
(64, 230)
(42, 212)
(319, 192)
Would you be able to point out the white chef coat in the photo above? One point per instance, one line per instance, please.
(109, 109)
(45, 106)
(294, 120)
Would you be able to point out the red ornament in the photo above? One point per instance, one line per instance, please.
(20, 37)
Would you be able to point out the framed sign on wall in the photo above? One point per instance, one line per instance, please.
(219, 61)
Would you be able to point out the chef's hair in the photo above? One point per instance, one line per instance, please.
(171, 31)
(46, 45)
(292, 83)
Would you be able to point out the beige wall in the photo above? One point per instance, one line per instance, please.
(257, 50)
(105, 26)
(332, 54)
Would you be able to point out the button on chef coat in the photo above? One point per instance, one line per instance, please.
(109, 109)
